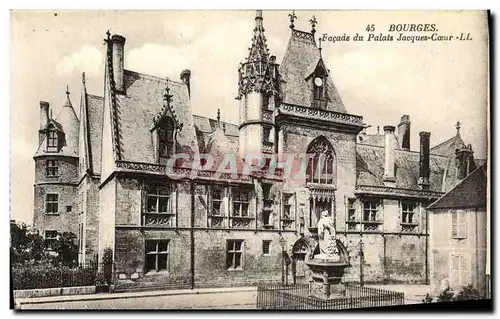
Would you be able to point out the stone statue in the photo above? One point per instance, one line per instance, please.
(327, 238)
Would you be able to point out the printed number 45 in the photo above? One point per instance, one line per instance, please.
(370, 28)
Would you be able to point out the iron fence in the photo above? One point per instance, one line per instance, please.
(299, 297)
(50, 276)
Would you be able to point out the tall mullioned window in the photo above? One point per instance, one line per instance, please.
(157, 255)
(241, 202)
(52, 141)
(51, 203)
(165, 139)
(234, 254)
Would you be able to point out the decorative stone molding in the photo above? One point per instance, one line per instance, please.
(401, 192)
(331, 116)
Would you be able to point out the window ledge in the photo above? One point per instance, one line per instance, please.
(153, 272)
(52, 214)
(235, 269)
(242, 217)
(372, 222)
(353, 221)
(156, 213)
(409, 224)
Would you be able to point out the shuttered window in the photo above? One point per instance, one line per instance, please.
(458, 224)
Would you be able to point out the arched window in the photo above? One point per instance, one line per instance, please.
(165, 139)
(322, 166)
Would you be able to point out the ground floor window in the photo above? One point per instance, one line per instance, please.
(157, 255)
(234, 256)
(459, 269)
(50, 239)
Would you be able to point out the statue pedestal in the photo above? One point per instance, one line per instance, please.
(326, 276)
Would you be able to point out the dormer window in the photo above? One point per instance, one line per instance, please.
(52, 140)
(165, 139)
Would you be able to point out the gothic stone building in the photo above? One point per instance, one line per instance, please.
(102, 175)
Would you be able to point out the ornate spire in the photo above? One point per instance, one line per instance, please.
(319, 39)
(218, 116)
(458, 125)
(67, 90)
(258, 50)
(292, 19)
(313, 22)
(83, 77)
(224, 127)
(259, 72)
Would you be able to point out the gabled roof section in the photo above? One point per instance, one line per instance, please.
(68, 124)
(301, 58)
(135, 113)
(469, 193)
(449, 146)
(205, 127)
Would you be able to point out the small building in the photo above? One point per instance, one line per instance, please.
(458, 234)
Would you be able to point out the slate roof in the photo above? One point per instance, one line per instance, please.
(470, 192)
(449, 146)
(205, 127)
(95, 106)
(370, 168)
(67, 122)
(300, 60)
(136, 110)
(374, 139)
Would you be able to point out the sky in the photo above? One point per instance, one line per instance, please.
(436, 83)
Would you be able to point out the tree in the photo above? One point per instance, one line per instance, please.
(26, 246)
(446, 295)
(467, 293)
(66, 249)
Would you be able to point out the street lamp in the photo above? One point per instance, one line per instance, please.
(282, 243)
(361, 261)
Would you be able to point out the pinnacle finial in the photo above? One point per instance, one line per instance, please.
(83, 77)
(218, 116)
(167, 97)
(108, 34)
(313, 22)
(458, 126)
(292, 19)
(319, 39)
(224, 127)
(258, 14)
(67, 90)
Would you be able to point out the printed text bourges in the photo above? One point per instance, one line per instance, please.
(400, 32)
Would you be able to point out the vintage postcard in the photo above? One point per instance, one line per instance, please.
(260, 159)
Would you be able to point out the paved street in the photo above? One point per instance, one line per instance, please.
(225, 300)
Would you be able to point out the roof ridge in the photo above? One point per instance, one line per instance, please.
(157, 78)
(444, 142)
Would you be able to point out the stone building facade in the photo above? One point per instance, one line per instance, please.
(210, 229)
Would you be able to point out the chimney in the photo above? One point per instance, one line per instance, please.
(404, 133)
(423, 180)
(118, 44)
(186, 78)
(44, 120)
(389, 150)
